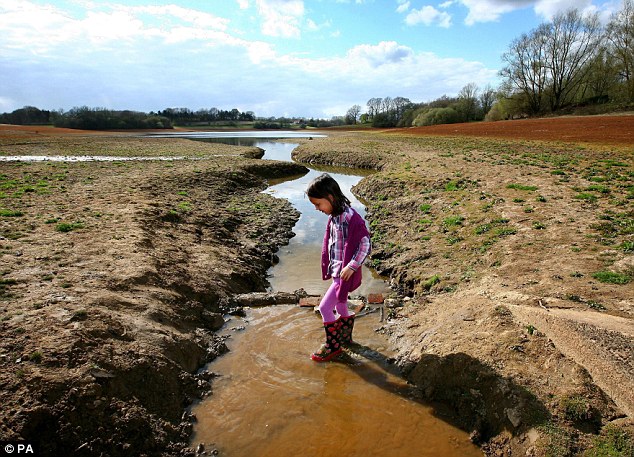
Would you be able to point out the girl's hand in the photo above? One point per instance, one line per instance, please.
(346, 273)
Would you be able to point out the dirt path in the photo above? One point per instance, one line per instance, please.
(600, 343)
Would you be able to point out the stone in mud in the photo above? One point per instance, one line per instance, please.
(213, 321)
(309, 302)
(376, 298)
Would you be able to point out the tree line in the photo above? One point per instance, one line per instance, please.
(88, 118)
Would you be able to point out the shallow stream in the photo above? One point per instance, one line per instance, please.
(271, 399)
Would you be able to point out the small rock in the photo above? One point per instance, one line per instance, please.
(514, 416)
(376, 298)
(200, 448)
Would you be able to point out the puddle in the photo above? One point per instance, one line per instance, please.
(271, 399)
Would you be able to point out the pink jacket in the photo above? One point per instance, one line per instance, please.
(356, 231)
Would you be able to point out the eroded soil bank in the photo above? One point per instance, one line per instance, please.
(114, 276)
(516, 262)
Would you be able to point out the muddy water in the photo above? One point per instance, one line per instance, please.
(271, 399)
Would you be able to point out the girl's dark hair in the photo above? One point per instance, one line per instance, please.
(324, 186)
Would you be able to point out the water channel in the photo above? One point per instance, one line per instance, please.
(271, 399)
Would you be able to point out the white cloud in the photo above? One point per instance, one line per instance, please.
(428, 15)
(549, 8)
(312, 26)
(243, 4)
(493, 10)
(281, 18)
(403, 7)
(164, 56)
(386, 52)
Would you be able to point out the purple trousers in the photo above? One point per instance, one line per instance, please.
(330, 303)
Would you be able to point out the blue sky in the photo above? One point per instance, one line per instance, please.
(310, 58)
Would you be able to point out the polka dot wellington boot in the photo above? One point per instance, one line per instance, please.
(346, 324)
(332, 347)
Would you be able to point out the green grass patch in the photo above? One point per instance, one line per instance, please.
(585, 196)
(598, 188)
(452, 186)
(613, 442)
(66, 227)
(482, 229)
(431, 282)
(185, 207)
(425, 208)
(10, 213)
(611, 277)
(505, 231)
(35, 357)
(521, 187)
(627, 246)
(453, 221)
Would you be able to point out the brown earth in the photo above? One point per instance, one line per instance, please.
(604, 130)
(116, 274)
(113, 280)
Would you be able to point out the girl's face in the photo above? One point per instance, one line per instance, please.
(322, 204)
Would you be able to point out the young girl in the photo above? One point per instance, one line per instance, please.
(346, 245)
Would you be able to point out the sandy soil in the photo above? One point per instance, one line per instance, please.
(115, 274)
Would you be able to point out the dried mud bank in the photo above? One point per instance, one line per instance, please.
(113, 280)
(513, 262)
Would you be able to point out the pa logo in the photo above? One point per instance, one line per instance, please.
(19, 449)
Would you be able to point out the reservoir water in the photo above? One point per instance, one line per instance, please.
(271, 399)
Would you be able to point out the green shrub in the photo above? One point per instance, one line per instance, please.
(437, 116)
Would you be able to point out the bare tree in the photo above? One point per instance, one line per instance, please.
(553, 60)
(352, 116)
(374, 106)
(468, 101)
(525, 67)
(387, 105)
(572, 41)
(487, 98)
(620, 35)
